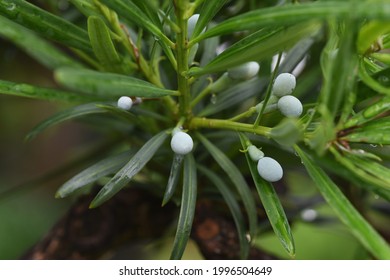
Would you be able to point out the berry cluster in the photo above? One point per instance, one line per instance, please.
(268, 168)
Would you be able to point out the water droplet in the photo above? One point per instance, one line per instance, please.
(213, 99)
(376, 197)
(156, 38)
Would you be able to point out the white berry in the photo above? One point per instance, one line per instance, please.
(255, 153)
(181, 143)
(245, 71)
(269, 169)
(284, 84)
(125, 103)
(290, 106)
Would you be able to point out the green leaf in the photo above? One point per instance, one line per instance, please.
(374, 132)
(370, 81)
(102, 45)
(370, 35)
(238, 180)
(364, 172)
(173, 178)
(100, 169)
(257, 46)
(233, 96)
(359, 227)
(68, 114)
(187, 209)
(151, 9)
(35, 46)
(288, 132)
(137, 162)
(208, 11)
(108, 84)
(234, 208)
(272, 205)
(291, 14)
(133, 14)
(45, 23)
(367, 114)
(30, 91)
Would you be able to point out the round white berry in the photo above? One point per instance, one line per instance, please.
(284, 84)
(290, 106)
(181, 143)
(125, 103)
(269, 169)
(245, 71)
(255, 153)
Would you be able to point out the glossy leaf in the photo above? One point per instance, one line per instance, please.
(369, 113)
(370, 81)
(65, 115)
(234, 208)
(30, 91)
(102, 45)
(35, 46)
(271, 203)
(354, 165)
(233, 96)
(48, 25)
(108, 84)
(173, 178)
(291, 14)
(132, 13)
(100, 169)
(208, 11)
(370, 35)
(374, 132)
(135, 165)
(238, 180)
(187, 209)
(257, 46)
(358, 226)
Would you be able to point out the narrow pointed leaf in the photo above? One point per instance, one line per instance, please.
(65, 115)
(208, 11)
(257, 46)
(173, 178)
(358, 226)
(102, 45)
(187, 209)
(272, 205)
(374, 132)
(136, 163)
(100, 169)
(30, 91)
(354, 165)
(234, 209)
(291, 14)
(48, 25)
(132, 13)
(35, 46)
(108, 84)
(238, 180)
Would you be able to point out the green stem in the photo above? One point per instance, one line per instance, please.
(269, 90)
(245, 114)
(182, 59)
(228, 125)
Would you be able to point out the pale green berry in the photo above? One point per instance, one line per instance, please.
(255, 153)
(245, 71)
(125, 103)
(269, 169)
(290, 106)
(181, 143)
(284, 84)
